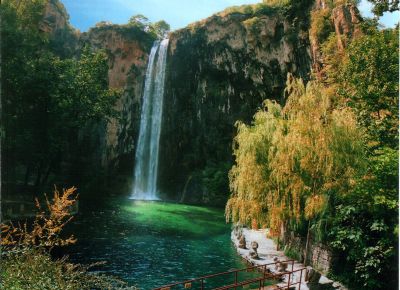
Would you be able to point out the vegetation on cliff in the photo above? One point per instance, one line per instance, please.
(220, 70)
(327, 162)
(320, 160)
(138, 28)
(47, 98)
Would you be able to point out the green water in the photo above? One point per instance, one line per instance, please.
(151, 244)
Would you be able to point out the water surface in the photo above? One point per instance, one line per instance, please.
(150, 244)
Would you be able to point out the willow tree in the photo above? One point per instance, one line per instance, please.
(248, 177)
(291, 161)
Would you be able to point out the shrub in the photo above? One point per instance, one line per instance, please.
(26, 259)
(321, 25)
(34, 269)
(46, 228)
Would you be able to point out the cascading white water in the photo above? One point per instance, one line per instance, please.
(146, 158)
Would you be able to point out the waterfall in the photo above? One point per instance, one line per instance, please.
(146, 157)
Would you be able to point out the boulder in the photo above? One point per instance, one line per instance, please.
(242, 242)
(282, 267)
(312, 276)
(254, 245)
(254, 254)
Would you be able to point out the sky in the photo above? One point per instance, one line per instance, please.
(178, 13)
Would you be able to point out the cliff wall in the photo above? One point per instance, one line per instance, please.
(220, 70)
(127, 49)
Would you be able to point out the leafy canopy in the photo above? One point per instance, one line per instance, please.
(47, 97)
(291, 160)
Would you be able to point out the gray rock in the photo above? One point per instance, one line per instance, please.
(312, 276)
(254, 255)
(339, 286)
(254, 245)
(242, 242)
(282, 267)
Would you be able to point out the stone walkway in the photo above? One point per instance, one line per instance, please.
(267, 252)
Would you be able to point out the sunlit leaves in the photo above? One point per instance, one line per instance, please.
(47, 226)
(367, 77)
(290, 160)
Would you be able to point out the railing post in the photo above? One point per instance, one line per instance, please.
(301, 276)
(236, 278)
(288, 281)
(264, 270)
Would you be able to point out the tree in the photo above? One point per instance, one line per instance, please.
(365, 228)
(292, 162)
(139, 21)
(46, 98)
(367, 77)
(160, 28)
(381, 6)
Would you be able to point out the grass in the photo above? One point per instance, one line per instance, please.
(292, 253)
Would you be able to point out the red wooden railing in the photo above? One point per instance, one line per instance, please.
(266, 275)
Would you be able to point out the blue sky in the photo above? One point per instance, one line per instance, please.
(178, 13)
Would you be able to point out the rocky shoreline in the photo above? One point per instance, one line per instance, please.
(266, 252)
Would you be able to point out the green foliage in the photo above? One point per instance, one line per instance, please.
(46, 98)
(253, 10)
(128, 31)
(26, 261)
(364, 230)
(381, 6)
(87, 96)
(252, 24)
(276, 2)
(364, 222)
(215, 180)
(139, 20)
(321, 25)
(291, 161)
(158, 29)
(36, 270)
(368, 77)
(293, 253)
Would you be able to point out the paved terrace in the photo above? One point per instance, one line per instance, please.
(267, 252)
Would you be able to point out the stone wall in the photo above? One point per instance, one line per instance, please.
(319, 256)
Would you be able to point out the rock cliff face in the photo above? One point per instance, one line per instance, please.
(55, 18)
(127, 49)
(342, 20)
(346, 20)
(221, 70)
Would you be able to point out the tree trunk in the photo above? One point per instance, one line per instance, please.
(307, 245)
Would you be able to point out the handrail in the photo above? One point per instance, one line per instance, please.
(260, 268)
